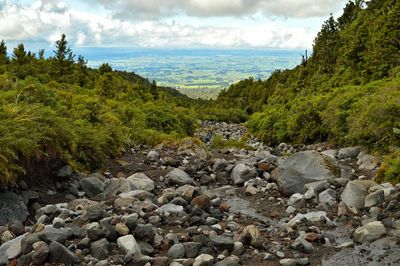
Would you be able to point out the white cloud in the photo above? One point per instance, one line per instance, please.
(45, 20)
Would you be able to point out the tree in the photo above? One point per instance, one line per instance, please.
(81, 71)
(64, 56)
(19, 55)
(41, 54)
(105, 68)
(3, 53)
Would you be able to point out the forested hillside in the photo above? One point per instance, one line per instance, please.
(59, 110)
(347, 92)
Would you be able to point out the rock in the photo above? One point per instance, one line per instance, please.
(297, 200)
(58, 222)
(153, 155)
(248, 235)
(288, 262)
(177, 251)
(12, 208)
(27, 243)
(115, 186)
(65, 171)
(180, 177)
(40, 253)
(220, 165)
(121, 229)
(187, 191)
(241, 173)
(95, 213)
(301, 169)
(100, 248)
(229, 261)
(367, 162)
(145, 232)
(369, 232)
(51, 234)
(250, 190)
(10, 249)
(375, 198)
(223, 242)
(145, 248)
(303, 245)
(140, 181)
(128, 245)
(171, 209)
(123, 202)
(238, 248)
(354, 195)
(310, 216)
(192, 249)
(203, 260)
(92, 186)
(193, 147)
(348, 153)
(16, 227)
(330, 153)
(60, 254)
(202, 202)
(342, 209)
(328, 197)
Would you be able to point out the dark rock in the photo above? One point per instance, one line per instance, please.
(100, 248)
(145, 232)
(16, 227)
(60, 254)
(92, 186)
(51, 234)
(95, 213)
(40, 253)
(146, 248)
(12, 208)
(223, 242)
(27, 242)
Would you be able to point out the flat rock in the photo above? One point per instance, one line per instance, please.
(58, 253)
(354, 195)
(180, 177)
(12, 208)
(369, 232)
(140, 181)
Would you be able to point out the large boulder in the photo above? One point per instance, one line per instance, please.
(241, 173)
(115, 186)
(301, 169)
(12, 208)
(10, 249)
(369, 232)
(140, 181)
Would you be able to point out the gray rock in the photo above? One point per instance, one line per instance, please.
(145, 232)
(192, 249)
(348, 153)
(153, 155)
(367, 162)
(128, 245)
(95, 213)
(369, 232)
(27, 243)
(303, 245)
(297, 200)
(241, 173)
(354, 195)
(146, 248)
(180, 177)
(328, 197)
(115, 186)
(177, 251)
(92, 186)
(140, 181)
(223, 242)
(220, 165)
(301, 169)
(204, 260)
(51, 234)
(40, 253)
(375, 198)
(10, 250)
(12, 208)
(171, 209)
(330, 153)
(100, 248)
(16, 227)
(60, 254)
(65, 171)
(229, 261)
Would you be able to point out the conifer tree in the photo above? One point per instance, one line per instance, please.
(3, 53)
(63, 56)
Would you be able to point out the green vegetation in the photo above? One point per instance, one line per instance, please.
(218, 142)
(347, 92)
(59, 110)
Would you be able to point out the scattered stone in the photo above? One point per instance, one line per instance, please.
(204, 260)
(128, 245)
(241, 173)
(92, 186)
(60, 254)
(177, 251)
(354, 195)
(40, 253)
(140, 181)
(375, 198)
(369, 232)
(348, 153)
(180, 177)
(12, 208)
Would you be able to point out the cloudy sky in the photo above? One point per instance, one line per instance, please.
(166, 23)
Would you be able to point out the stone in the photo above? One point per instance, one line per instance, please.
(248, 235)
(297, 200)
(128, 245)
(180, 177)
(354, 195)
(300, 169)
(229, 261)
(100, 248)
(121, 229)
(303, 245)
(251, 190)
(288, 262)
(140, 181)
(51, 234)
(342, 209)
(153, 155)
(12, 208)
(310, 216)
(123, 202)
(330, 153)
(220, 165)
(202, 202)
(146, 248)
(204, 260)
(241, 173)
(60, 254)
(16, 227)
(95, 213)
(65, 171)
(40, 253)
(145, 232)
(375, 198)
(192, 249)
(27, 243)
(171, 209)
(58, 222)
(10, 249)
(223, 242)
(369, 232)
(328, 197)
(187, 191)
(115, 186)
(367, 162)
(92, 186)
(177, 251)
(348, 153)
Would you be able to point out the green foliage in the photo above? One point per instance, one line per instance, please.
(218, 142)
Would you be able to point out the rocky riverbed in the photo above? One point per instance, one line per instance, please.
(188, 205)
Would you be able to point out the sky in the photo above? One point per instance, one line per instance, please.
(266, 24)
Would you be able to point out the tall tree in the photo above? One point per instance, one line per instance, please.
(19, 55)
(81, 71)
(63, 56)
(3, 53)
